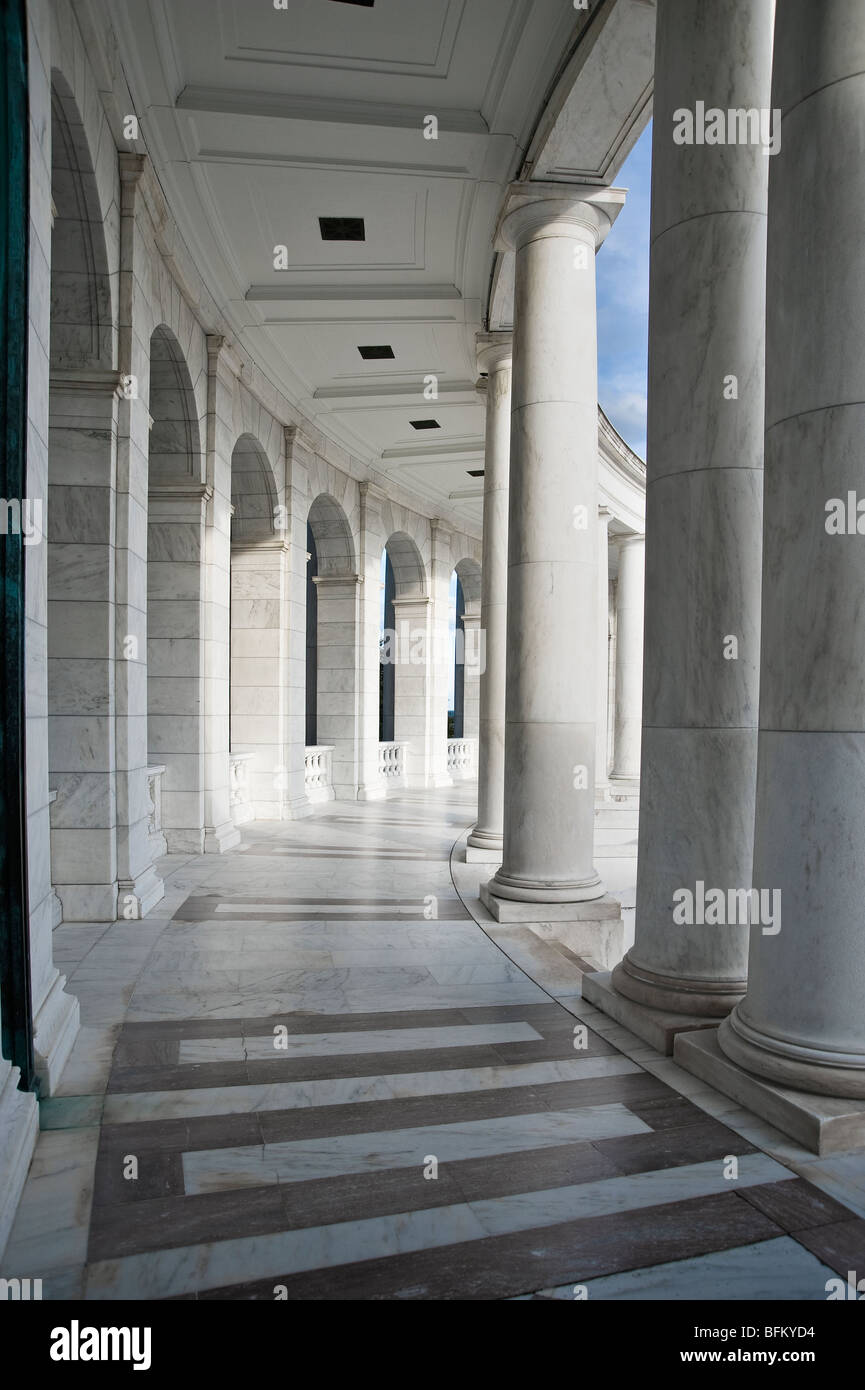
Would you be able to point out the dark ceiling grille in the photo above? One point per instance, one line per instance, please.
(376, 352)
(342, 229)
(425, 424)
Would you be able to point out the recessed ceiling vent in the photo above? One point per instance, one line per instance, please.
(376, 352)
(342, 228)
(425, 424)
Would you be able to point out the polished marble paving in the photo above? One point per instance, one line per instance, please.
(319, 1068)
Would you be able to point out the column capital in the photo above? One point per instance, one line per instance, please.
(335, 581)
(633, 539)
(583, 211)
(105, 383)
(494, 351)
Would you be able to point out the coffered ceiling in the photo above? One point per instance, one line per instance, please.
(262, 120)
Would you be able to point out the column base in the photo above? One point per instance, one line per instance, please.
(790, 1064)
(297, 808)
(593, 928)
(602, 793)
(55, 1028)
(219, 838)
(183, 841)
(87, 902)
(657, 1027)
(476, 855)
(19, 1130)
(823, 1124)
(146, 890)
(624, 790)
(677, 994)
(375, 791)
(483, 847)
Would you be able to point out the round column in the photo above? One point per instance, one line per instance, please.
(629, 663)
(494, 359)
(603, 699)
(552, 623)
(703, 507)
(801, 1023)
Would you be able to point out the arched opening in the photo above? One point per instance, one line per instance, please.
(332, 667)
(82, 466)
(176, 518)
(455, 626)
(404, 684)
(467, 638)
(257, 656)
(387, 687)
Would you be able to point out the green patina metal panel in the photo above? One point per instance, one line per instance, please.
(15, 1002)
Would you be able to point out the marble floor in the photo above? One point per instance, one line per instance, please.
(320, 1071)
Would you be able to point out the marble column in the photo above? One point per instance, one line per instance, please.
(625, 777)
(801, 1023)
(703, 523)
(484, 845)
(603, 698)
(552, 622)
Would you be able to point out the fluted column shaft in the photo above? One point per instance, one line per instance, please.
(555, 231)
(494, 358)
(801, 1023)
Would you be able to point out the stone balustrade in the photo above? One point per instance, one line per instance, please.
(462, 757)
(318, 772)
(391, 761)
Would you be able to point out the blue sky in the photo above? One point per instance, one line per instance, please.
(623, 301)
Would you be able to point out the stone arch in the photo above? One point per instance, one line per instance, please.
(332, 641)
(175, 436)
(468, 572)
(82, 464)
(82, 322)
(409, 571)
(176, 519)
(254, 496)
(467, 654)
(405, 655)
(333, 539)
